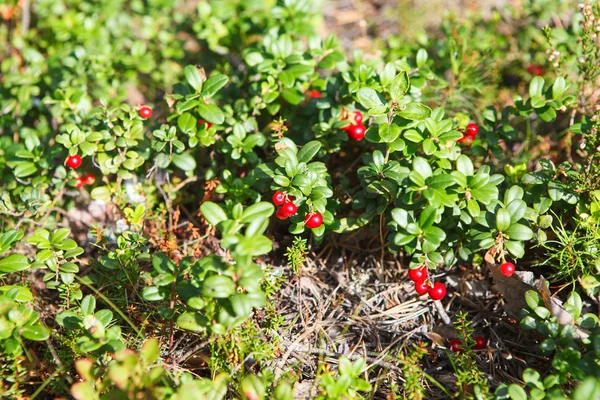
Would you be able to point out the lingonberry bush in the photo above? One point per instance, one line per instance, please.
(156, 156)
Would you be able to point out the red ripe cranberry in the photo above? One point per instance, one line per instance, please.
(289, 209)
(145, 112)
(472, 130)
(89, 179)
(79, 182)
(535, 69)
(417, 274)
(356, 132)
(280, 214)
(454, 345)
(208, 124)
(314, 94)
(278, 198)
(313, 220)
(480, 343)
(74, 161)
(358, 117)
(437, 291)
(507, 269)
(421, 287)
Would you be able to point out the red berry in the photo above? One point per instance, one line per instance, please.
(289, 209)
(278, 198)
(507, 269)
(421, 287)
(437, 291)
(208, 124)
(89, 179)
(358, 117)
(79, 182)
(472, 131)
(314, 94)
(467, 140)
(417, 274)
(454, 345)
(535, 69)
(280, 214)
(313, 220)
(356, 132)
(73, 161)
(480, 343)
(145, 112)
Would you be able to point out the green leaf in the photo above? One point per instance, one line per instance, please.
(422, 167)
(389, 133)
(292, 96)
(427, 217)
(218, 286)
(184, 161)
(19, 293)
(88, 305)
(211, 113)
(152, 293)
(400, 216)
(36, 332)
(434, 235)
(214, 84)
(421, 57)
(150, 350)
(532, 298)
(212, 212)
(415, 112)
(308, 151)
(588, 389)
(464, 165)
(369, 98)
(25, 169)
(186, 122)
(536, 86)
(502, 219)
(254, 246)
(558, 88)
(473, 208)
(192, 76)
(547, 113)
(516, 392)
(516, 249)
(399, 86)
(518, 232)
(100, 193)
(193, 322)
(13, 263)
(257, 211)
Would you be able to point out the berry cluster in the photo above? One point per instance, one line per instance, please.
(356, 130)
(454, 344)
(288, 209)
(470, 132)
(88, 179)
(74, 162)
(420, 276)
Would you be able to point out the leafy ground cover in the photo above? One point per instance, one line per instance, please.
(253, 199)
